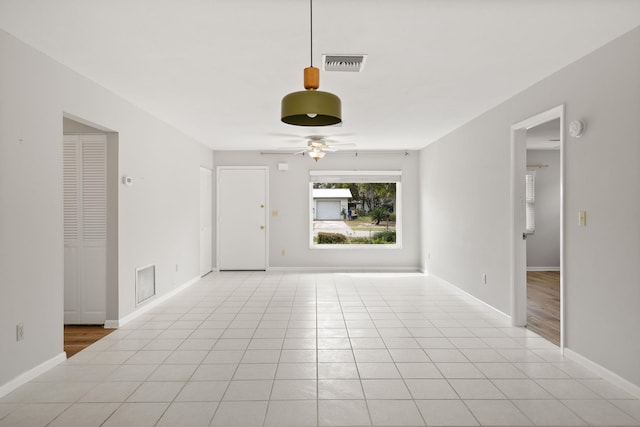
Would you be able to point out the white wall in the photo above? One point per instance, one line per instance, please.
(289, 195)
(543, 247)
(468, 171)
(158, 219)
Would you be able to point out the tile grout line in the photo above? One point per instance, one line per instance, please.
(275, 374)
(245, 350)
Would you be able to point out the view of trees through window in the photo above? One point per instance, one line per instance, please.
(354, 213)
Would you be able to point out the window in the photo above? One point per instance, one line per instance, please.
(530, 198)
(355, 209)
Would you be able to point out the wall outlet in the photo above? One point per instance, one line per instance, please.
(582, 218)
(19, 332)
(283, 252)
(484, 278)
(177, 267)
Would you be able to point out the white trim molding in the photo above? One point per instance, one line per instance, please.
(517, 264)
(366, 269)
(543, 268)
(31, 374)
(114, 324)
(470, 296)
(616, 379)
(111, 324)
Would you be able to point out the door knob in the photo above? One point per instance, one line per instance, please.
(262, 227)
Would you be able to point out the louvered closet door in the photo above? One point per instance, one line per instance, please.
(85, 229)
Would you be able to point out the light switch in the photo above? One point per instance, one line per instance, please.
(582, 218)
(275, 213)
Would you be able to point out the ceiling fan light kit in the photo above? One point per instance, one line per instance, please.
(317, 154)
(311, 107)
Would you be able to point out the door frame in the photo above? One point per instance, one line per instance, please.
(74, 125)
(266, 210)
(519, 269)
(209, 237)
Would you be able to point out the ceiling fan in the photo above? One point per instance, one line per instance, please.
(318, 146)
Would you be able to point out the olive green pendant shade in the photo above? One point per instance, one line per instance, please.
(311, 107)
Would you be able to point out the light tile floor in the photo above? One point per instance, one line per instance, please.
(284, 349)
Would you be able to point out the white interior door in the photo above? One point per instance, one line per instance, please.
(85, 229)
(242, 218)
(206, 219)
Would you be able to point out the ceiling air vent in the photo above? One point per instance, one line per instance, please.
(353, 63)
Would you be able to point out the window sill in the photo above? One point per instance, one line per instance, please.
(356, 247)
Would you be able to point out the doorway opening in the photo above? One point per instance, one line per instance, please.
(206, 224)
(543, 243)
(90, 200)
(537, 215)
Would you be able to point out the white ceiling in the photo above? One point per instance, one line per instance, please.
(218, 69)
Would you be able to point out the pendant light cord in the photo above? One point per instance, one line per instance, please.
(311, 28)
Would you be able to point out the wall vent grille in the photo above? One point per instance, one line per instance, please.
(145, 283)
(348, 63)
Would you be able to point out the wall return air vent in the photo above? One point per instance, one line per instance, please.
(350, 63)
(145, 283)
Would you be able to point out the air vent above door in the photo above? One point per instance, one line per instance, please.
(350, 63)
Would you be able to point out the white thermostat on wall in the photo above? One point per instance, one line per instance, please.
(127, 180)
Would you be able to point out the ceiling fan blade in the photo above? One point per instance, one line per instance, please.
(292, 148)
(342, 144)
(286, 135)
(340, 135)
(330, 149)
(328, 136)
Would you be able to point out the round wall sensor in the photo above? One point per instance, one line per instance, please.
(576, 128)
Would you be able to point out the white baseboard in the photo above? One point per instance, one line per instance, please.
(111, 324)
(31, 374)
(114, 324)
(616, 379)
(471, 296)
(543, 268)
(367, 269)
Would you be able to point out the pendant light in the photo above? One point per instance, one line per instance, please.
(311, 107)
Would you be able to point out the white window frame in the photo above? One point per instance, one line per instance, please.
(530, 202)
(337, 176)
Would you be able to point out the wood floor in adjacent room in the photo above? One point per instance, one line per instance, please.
(543, 304)
(77, 337)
